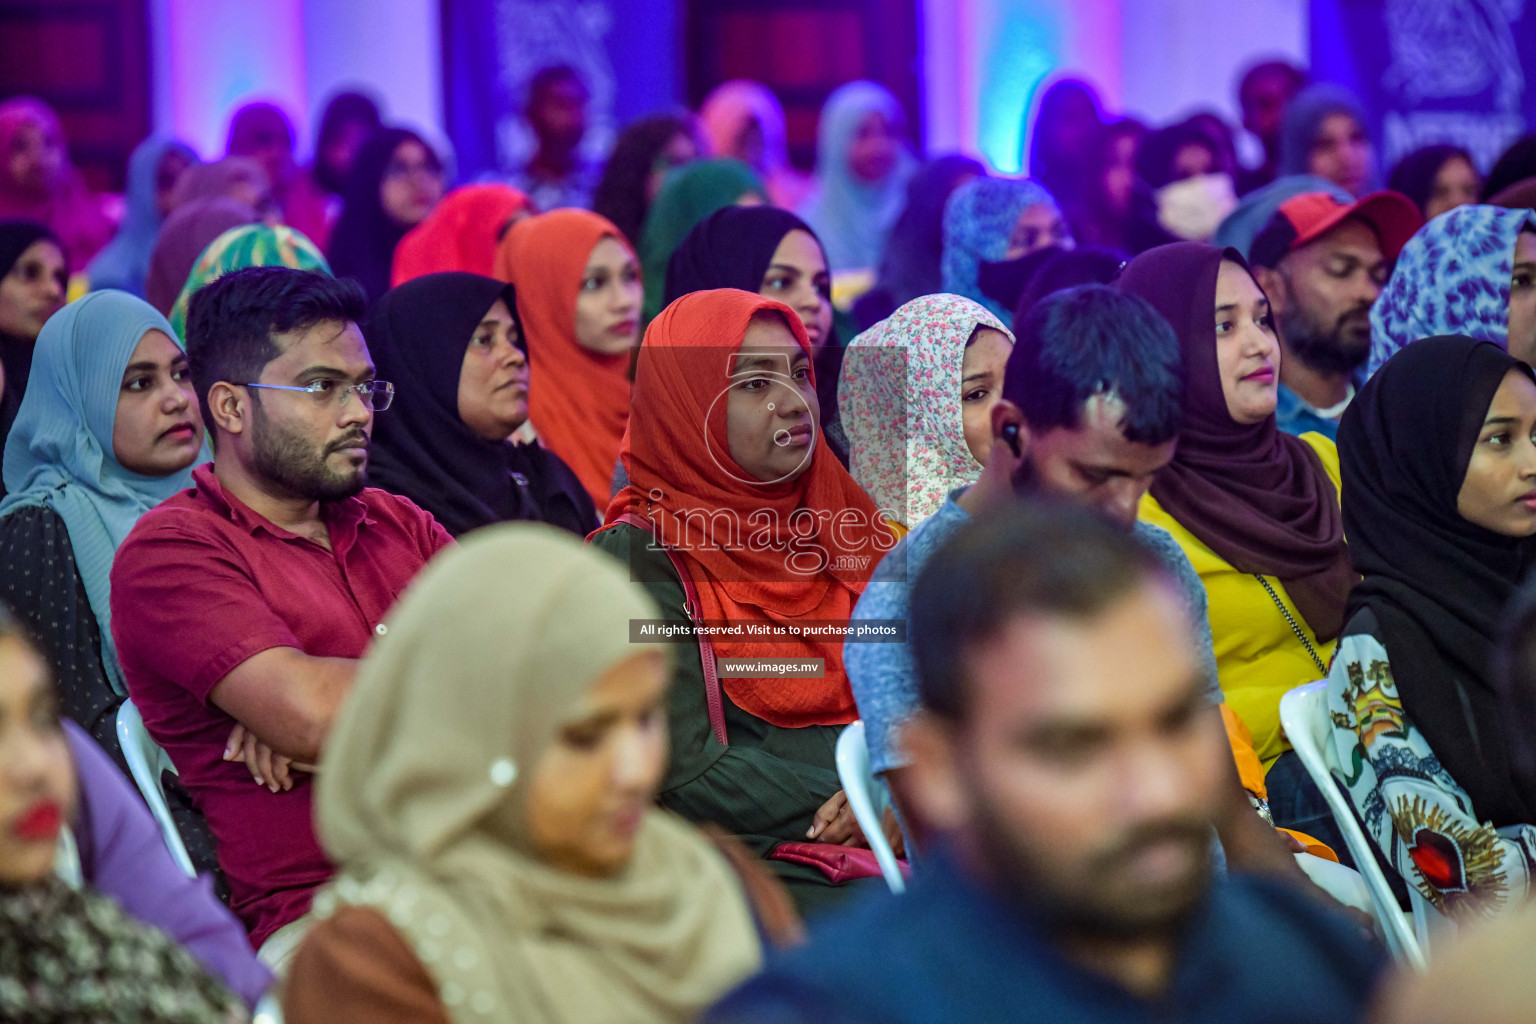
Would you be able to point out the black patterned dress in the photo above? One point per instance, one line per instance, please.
(40, 583)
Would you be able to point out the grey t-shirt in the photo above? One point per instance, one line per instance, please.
(882, 675)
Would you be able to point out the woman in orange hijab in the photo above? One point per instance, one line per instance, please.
(578, 296)
(764, 534)
(461, 233)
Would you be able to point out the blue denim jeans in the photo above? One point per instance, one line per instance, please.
(1296, 803)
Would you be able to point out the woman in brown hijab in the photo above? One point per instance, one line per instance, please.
(487, 794)
(1255, 509)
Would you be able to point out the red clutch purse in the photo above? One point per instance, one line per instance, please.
(839, 863)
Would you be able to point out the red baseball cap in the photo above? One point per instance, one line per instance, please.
(1304, 219)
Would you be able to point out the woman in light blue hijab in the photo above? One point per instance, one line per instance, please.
(987, 220)
(153, 170)
(108, 429)
(1459, 274)
(1323, 133)
(862, 166)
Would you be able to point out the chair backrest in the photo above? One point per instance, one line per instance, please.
(1344, 884)
(868, 798)
(66, 860)
(269, 1010)
(146, 762)
(1304, 717)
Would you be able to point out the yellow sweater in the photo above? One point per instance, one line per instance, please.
(1258, 658)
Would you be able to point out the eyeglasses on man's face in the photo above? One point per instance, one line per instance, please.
(374, 394)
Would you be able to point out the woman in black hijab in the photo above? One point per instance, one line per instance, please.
(771, 252)
(1438, 454)
(394, 183)
(453, 344)
(1437, 179)
(34, 275)
(349, 119)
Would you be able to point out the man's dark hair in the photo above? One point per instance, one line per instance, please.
(544, 78)
(1273, 242)
(1094, 340)
(1033, 558)
(231, 320)
(1297, 76)
(621, 195)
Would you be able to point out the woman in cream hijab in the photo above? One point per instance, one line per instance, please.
(487, 795)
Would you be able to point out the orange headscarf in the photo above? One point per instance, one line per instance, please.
(578, 400)
(780, 552)
(460, 233)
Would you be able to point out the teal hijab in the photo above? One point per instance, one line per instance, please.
(59, 453)
(688, 194)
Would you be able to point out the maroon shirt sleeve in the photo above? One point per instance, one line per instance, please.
(415, 522)
(434, 537)
(185, 608)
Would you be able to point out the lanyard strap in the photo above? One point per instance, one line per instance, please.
(1295, 627)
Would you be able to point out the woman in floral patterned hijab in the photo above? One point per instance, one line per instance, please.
(1471, 272)
(916, 398)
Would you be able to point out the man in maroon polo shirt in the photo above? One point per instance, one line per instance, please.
(240, 606)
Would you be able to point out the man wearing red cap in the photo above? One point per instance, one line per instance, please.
(1322, 263)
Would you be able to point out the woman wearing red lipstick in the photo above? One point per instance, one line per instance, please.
(1440, 452)
(446, 447)
(39, 784)
(1255, 509)
(70, 954)
(108, 429)
(727, 470)
(578, 299)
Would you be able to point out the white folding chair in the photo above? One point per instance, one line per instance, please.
(269, 1010)
(869, 800)
(1344, 884)
(146, 762)
(66, 860)
(1304, 717)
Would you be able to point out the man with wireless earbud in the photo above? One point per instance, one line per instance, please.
(1090, 411)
